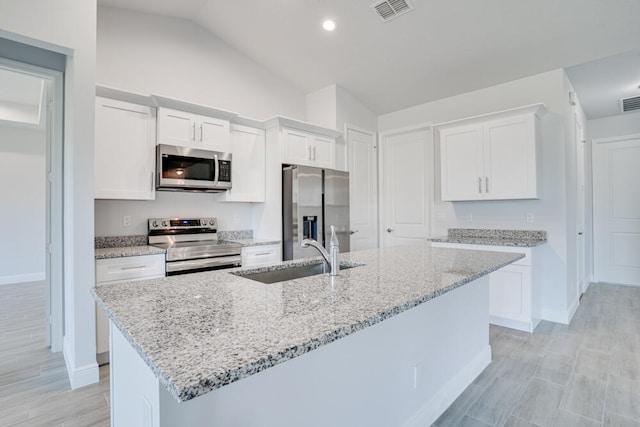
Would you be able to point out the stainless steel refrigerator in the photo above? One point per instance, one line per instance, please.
(313, 200)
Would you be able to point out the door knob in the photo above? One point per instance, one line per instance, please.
(353, 231)
(389, 230)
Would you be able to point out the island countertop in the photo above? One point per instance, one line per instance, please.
(201, 331)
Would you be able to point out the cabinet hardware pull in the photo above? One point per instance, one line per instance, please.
(389, 230)
(263, 253)
(479, 185)
(486, 184)
(201, 132)
(314, 152)
(135, 267)
(194, 131)
(310, 158)
(353, 231)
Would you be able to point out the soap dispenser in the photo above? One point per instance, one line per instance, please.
(334, 251)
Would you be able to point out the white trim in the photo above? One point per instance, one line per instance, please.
(614, 139)
(83, 375)
(432, 409)
(561, 316)
(538, 109)
(35, 42)
(22, 278)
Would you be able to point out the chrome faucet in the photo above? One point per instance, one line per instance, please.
(331, 257)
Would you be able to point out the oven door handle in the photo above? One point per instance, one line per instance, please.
(216, 171)
(174, 255)
(194, 264)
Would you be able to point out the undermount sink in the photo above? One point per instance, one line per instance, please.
(290, 273)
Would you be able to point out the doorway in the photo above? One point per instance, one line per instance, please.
(363, 191)
(31, 115)
(616, 210)
(581, 201)
(405, 163)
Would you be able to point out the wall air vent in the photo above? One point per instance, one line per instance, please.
(630, 104)
(389, 9)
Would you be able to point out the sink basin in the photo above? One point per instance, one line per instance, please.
(290, 273)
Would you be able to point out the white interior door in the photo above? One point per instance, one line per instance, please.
(580, 220)
(616, 210)
(363, 191)
(405, 188)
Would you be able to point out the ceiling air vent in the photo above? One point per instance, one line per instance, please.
(630, 104)
(389, 9)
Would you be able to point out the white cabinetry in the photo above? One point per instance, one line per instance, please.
(186, 129)
(308, 149)
(261, 254)
(493, 158)
(513, 293)
(114, 270)
(248, 167)
(124, 150)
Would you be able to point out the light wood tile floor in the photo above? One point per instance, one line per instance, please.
(585, 374)
(34, 386)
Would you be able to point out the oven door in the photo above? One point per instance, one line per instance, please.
(190, 169)
(203, 264)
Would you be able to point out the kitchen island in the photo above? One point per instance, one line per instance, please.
(390, 342)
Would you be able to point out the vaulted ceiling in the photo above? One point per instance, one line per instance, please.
(439, 49)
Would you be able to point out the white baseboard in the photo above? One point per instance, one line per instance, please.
(21, 278)
(79, 376)
(431, 410)
(561, 316)
(572, 309)
(513, 324)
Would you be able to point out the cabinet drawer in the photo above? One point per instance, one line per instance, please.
(128, 268)
(254, 255)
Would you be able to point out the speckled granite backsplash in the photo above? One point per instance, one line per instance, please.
(456, 233)
(120, 241)
(235, 235)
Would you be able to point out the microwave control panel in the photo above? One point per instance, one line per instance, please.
(224, 174)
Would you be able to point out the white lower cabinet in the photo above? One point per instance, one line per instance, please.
(513, 294)
(261, 254)
(115, 270)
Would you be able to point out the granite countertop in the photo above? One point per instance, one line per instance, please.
(491, 237)
(126, 251)
(256, 242)
(199, 332)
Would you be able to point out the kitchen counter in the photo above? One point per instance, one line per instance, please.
(127, 251)
(491, 237)
(200, 332)
(255, 242)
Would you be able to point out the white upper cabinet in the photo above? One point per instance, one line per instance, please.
(248, 164)
(186, 129)
(124, 150)
(308, 149)
(492, 159)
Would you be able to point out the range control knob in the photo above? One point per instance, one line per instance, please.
(165, 223)
(203, 222)
(154, 224)
(211, 222)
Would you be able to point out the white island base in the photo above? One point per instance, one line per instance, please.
(403, 371)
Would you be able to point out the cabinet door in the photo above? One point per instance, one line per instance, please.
(510, 293)
(248, 167)
(124, 150)
(177, 128)
(323, 152)
(461, 163)
(296, 147)
(510, 158)
(213, 134)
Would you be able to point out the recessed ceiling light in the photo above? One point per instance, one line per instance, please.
(329, 25)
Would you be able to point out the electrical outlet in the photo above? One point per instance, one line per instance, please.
(441, 217)
(530, 217)
(469, 217)
(126, 221)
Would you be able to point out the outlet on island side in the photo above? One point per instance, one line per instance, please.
(469, 217)
(530, 217)
(126, 221)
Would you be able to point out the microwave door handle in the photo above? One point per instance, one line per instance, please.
(216, 170)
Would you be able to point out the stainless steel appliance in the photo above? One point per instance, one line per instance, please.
(191, 169)
(192, 245)
(313, 199)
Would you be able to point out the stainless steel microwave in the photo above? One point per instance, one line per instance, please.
(192, 169)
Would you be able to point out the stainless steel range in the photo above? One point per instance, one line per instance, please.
(192, 245)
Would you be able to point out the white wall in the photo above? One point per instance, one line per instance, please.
(22, 191)
(109, 213)
(176, 58)
(69, 27)
(321, 107)
(550, 211)
(606, 127)
(334, 106)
